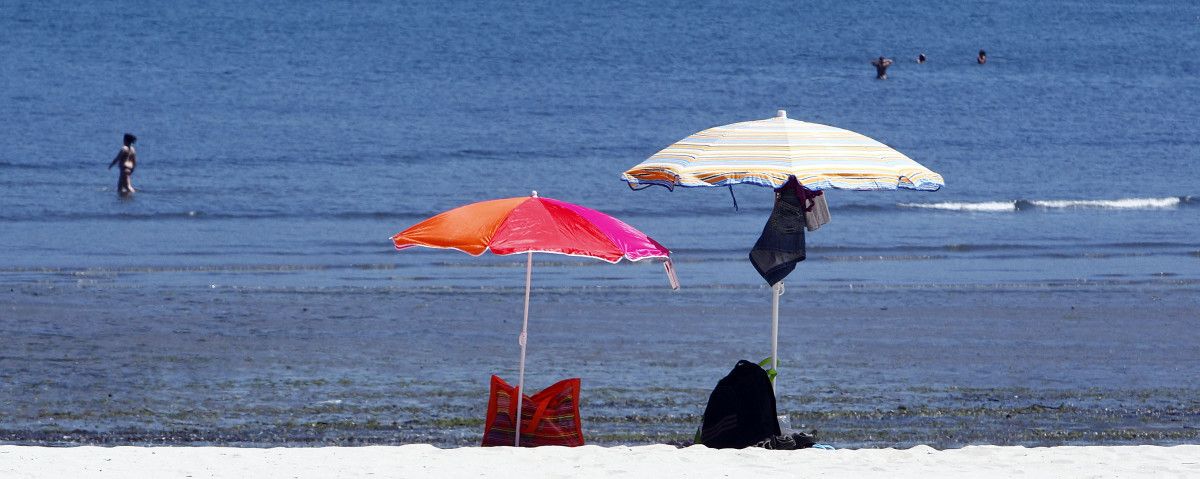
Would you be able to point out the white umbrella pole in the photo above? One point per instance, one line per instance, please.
(776, 291)
(521, 339)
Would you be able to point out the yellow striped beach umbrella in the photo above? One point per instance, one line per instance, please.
(767, 152)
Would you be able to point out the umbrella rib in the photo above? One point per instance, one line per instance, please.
(791, 151)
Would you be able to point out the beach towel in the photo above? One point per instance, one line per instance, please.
(788, 441)
(781, 244)
(741, 409)
(548, 418)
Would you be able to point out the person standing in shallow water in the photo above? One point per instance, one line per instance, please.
(881, 66)
(127, 160)
(982, 58)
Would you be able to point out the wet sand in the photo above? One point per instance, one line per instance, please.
(881, 366)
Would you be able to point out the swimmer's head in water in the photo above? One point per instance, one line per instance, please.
(130, 139)
(982, 53)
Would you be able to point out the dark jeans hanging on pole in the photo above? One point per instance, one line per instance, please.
(781, 244)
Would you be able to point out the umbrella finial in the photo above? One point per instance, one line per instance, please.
(781, 114)
(535, 193)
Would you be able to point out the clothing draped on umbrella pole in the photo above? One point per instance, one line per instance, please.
(534, 225)
(781, 244)
(799, 160)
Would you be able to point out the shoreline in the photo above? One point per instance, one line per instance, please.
(423, 460)
(864, 368)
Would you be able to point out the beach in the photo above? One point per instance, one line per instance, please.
(599, 462)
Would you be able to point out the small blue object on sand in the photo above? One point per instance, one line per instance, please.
(823, 446)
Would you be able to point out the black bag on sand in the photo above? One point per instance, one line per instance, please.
(741, 409)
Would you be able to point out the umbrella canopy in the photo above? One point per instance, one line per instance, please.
(770, 152)
(528, 225)
(767, 152)
(531, 225)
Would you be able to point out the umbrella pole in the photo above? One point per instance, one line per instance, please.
(521, 339)
(776, 291)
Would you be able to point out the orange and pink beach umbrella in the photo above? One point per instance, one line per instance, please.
(534, 225)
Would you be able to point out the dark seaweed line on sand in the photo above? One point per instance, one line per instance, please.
(1028, 425)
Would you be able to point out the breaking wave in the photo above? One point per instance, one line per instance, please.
(1025, 205)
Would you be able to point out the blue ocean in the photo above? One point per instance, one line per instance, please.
(248, 293)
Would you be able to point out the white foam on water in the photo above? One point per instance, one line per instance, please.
(1002, 206)
(1123, 203)
(991, 206)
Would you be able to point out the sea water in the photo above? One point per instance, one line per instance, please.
(282, 143)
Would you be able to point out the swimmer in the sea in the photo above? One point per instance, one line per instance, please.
(127, 160)
(982, 58)
(921, 58)
(881, 66)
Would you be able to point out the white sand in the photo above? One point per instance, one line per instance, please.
(597, 462)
